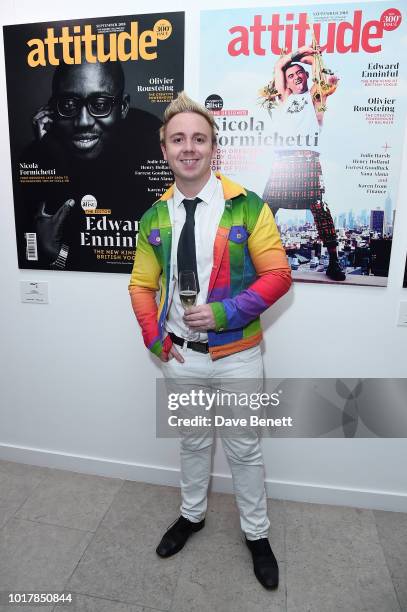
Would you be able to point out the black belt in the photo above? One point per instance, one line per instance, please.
(200, 347)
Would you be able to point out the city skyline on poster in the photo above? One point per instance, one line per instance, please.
(85, 154)
(361, 139)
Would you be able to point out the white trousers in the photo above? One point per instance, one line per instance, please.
(243, 451)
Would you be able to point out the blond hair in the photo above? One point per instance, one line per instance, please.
(184, 104)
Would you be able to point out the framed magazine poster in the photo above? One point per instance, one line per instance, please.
(85, 98)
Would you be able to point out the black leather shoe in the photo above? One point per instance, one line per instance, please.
(174, 539)
(335, 272)
(264, 562)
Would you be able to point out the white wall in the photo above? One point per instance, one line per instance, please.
(78, 387)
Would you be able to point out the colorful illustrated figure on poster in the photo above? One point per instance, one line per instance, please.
(295, 181)
(85, 159)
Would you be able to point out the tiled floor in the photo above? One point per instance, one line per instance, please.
(96, 537)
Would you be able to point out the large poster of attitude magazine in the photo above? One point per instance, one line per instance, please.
(85, 98)
(310, 103)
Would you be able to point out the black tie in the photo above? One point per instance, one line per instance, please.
(186, 245)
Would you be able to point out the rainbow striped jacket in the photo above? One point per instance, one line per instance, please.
(250, 272)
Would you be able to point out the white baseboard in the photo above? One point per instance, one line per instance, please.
(221, 483)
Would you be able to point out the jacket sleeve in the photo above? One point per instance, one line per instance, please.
(273, 272)
(143, 287)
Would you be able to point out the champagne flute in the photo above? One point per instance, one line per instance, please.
(187, 290)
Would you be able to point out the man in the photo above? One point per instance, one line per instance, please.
(207, 222)
(84, 133)
(295, 181)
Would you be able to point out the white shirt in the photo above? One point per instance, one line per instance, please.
(207, 217)
(297, 121)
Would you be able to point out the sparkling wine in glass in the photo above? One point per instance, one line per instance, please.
(187, 290)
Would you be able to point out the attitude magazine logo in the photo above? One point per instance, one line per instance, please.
(263, 36)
